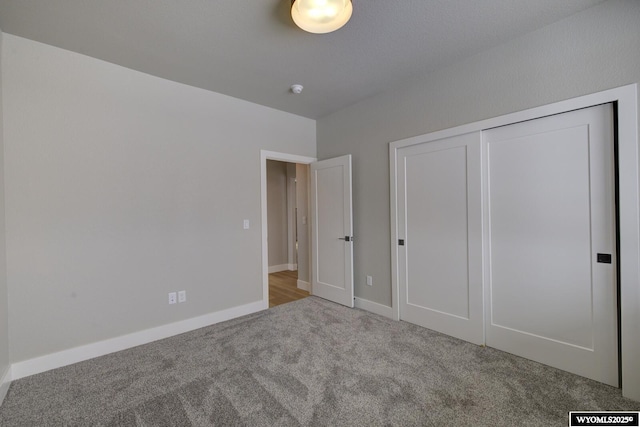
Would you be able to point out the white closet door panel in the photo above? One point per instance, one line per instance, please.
(437, 231)
(440, 221)
(549, 213)
(540, 235)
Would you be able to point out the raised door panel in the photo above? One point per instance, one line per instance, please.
(439, 210)
(550, 211)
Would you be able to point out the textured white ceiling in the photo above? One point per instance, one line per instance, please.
(251, 50)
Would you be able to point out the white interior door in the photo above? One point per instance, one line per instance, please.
(440, 236)
(549, 213)
(332, 232)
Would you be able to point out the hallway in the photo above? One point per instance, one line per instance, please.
(283, 288)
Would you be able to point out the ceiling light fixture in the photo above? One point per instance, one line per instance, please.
(321, 16)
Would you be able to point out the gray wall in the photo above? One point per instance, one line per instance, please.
(122, 187)
(4, 318)
(277, 212)
(594, 50)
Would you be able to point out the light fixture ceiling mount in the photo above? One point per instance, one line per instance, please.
(321, 16)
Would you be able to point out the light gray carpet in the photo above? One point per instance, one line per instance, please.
(310, 362)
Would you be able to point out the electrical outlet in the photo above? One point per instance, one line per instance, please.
(369, 280)
(172, 297)
(182, 296)
(245, 224)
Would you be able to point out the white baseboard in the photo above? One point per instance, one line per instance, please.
(101, 348)
(5, 382)
(374, 307)
(305, 286)
(278, 268)
(282, 267)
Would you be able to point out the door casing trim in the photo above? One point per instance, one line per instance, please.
(282, 157)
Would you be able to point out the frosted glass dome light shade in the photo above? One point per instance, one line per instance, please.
(321, 16)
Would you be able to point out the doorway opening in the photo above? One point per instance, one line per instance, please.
(286, 260)
(287, 231)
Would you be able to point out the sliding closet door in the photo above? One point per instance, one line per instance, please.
(550, 242)
(439, 236)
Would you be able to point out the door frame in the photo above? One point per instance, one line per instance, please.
(292, 255)
(626, 99)
(282, 157)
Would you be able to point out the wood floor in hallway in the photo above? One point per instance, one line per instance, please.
(283, 288)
